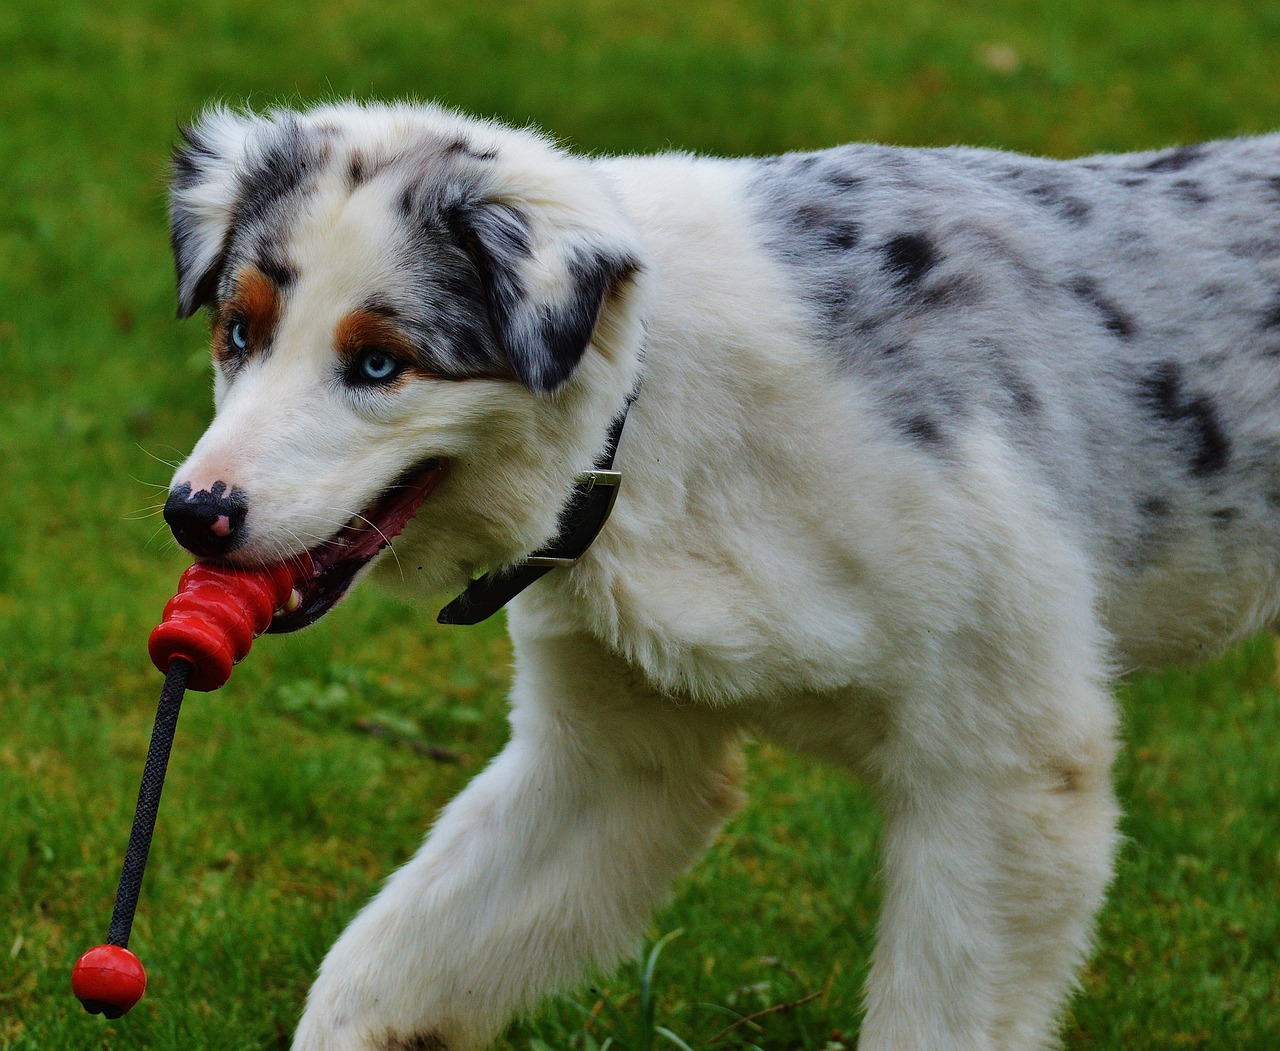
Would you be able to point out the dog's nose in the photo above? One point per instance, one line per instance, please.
(209, 523)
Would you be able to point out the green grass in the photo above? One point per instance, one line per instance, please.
(297, 787)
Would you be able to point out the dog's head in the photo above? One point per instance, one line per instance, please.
(415, 316)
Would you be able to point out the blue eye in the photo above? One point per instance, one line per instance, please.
(377, 366)
(238, 336)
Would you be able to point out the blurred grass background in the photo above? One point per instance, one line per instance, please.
(296, 788)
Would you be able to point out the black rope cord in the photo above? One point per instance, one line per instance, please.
(144, 817)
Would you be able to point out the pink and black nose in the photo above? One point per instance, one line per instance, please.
(208, 523)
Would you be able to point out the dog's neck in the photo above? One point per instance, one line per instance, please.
(581, 520)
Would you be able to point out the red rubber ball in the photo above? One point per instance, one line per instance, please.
(108, 980)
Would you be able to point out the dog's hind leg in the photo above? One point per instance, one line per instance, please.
(548, 864)
(997, 854)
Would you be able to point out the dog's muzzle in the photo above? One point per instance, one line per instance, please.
(209, 523)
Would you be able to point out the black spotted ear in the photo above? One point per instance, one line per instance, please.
(202, 202)
(544, 300)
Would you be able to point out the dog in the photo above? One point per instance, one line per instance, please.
(918, 448)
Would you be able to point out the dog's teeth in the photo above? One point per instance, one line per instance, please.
(355, 523)
(290, 604)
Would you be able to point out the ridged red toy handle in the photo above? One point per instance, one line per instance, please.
(217, 613)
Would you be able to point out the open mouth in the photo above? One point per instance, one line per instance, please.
(338, 560)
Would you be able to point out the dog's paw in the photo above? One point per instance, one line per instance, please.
(345, 1013)
(317, 1032)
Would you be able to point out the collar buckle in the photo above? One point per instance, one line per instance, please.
(588, 482)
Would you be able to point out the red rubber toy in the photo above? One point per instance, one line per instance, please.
(217, 613)
(108, 980)
(207, 628)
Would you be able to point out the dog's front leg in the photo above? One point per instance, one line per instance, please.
(548, 864)
(997, 852)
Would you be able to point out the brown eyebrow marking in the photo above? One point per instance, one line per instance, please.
(365, 329)
(256, 301)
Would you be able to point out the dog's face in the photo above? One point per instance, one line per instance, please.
(415, 317)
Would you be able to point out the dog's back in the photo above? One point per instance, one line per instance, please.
(1113, 321)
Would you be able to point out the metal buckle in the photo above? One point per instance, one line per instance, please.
(587, 481)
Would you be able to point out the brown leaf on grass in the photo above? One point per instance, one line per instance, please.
(775, 1009)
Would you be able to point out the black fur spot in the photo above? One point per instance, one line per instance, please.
(1074, 210)
(282, 274)
(1224, 516)
(1021, 392)
(1162, 394)
(1065, 205)
(1154, 507)
(361, 168)
(1023, 395)
(843, 180)
(1191, 192)
(1175, 160)
(408, 202)
(1113, 318)
(908, 257)
(823, 228)
(811, 217)
(842, 235)
(461, 146)
(1133, 181)
(357, 170)
(922, 429)
(1271, 319)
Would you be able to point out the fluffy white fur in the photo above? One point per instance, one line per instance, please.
(939, 619)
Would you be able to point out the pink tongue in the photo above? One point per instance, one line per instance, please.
(385, 521)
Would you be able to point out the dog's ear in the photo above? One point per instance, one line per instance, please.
(544, 290)
(202, 202)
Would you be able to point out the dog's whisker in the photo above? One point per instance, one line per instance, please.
(149, 485)
(162, 531)
(387, 540)
(143, 513)
(172, 465)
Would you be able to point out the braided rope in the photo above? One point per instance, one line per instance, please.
(144, 816)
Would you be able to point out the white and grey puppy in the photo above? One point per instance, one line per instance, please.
(929, 444)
